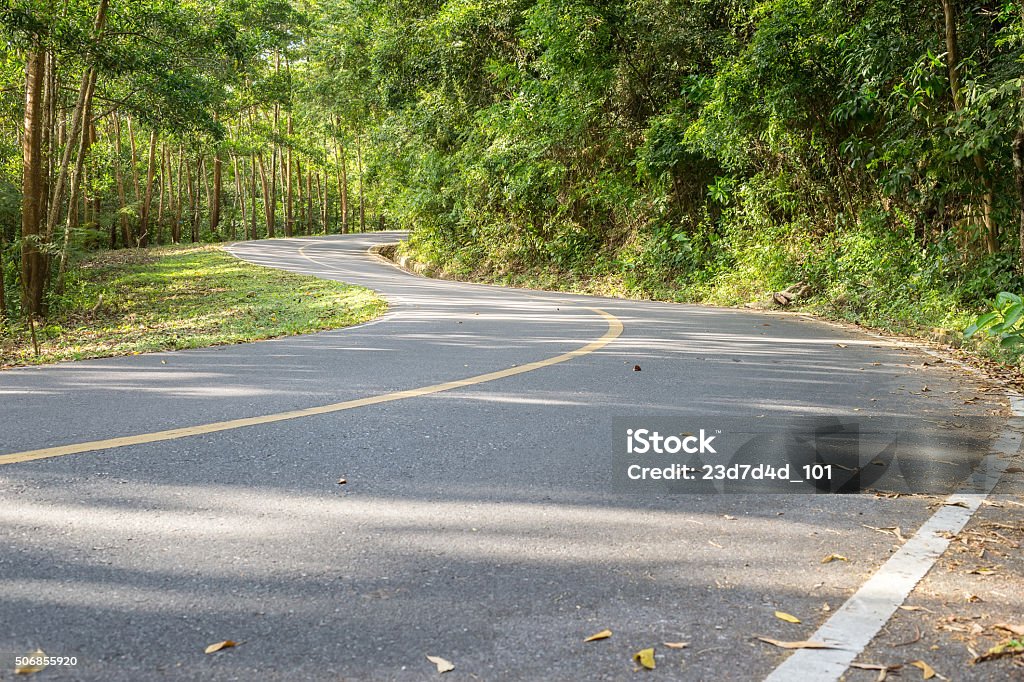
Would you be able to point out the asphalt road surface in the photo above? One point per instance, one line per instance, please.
(478, 522)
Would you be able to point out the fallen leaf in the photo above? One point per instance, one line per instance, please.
(604, 634)
(984, 570)
(825, 607)
(841, 345)
(1008, 647)
(676, 645)
(927, 672)
(892, 530)
(443, 666)
(1013, 470)
(645, 657)
(31, 669)
(636, 368)
(883, 670)
(914, 608)
(789, 618)
(1010, 627)
(834, 557)
(874, 666)
(226, 644)
(342, 481)
(804, 644)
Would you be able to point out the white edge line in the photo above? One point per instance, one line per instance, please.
(852, 627)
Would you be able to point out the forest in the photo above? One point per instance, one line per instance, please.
(692, 150)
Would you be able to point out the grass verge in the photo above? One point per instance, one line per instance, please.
(855, 281)
(141, 300)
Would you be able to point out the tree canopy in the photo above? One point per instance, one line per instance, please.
(665, 142)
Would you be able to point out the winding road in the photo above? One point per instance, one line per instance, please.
(152, 505)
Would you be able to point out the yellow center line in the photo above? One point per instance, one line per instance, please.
(613, 332)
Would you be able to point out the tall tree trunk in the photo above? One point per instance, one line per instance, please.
(252, 213)
(193, 199)
(147, 203)
(33, 269)
(273, 157)
(319, 198)
(164, 200)
(218, 182)
(76, 180)
(94, 198)
(78, 135)
(1018, 171)
(990, 228)
(135, 165)
(167, 169)
(286, 175)
(269, 200)
(342, 184)
(272, 213)
(3, 283)
(73, 206)
(309, 201)
(204, 173)
(362, 201)
(299, 194)
(239, 194)
(179, 203)
(54, 137)
(126, 232)
(325, 201)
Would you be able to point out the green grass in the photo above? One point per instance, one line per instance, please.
(877, 279)
(141, 300)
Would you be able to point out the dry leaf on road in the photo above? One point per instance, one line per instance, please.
(983, 570)
(645, 657)
(443, 666)
(803, 644)
(676, 645)
(788, 617)
(927, 672)
(29, 669)
(834, 557)
(1008, 647)
(1010, 627)
(883, 670)
(604, 634)
(226, 644)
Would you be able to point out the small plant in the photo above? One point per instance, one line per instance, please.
(1004, 320)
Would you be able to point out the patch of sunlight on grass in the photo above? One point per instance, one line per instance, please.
(142, 300)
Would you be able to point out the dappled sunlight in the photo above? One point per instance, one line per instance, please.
(162, 530)
(498, 397)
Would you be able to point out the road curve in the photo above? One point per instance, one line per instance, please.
(477, 522)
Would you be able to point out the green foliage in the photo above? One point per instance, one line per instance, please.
(133, 301)
(712, 150)
(1005, 321)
